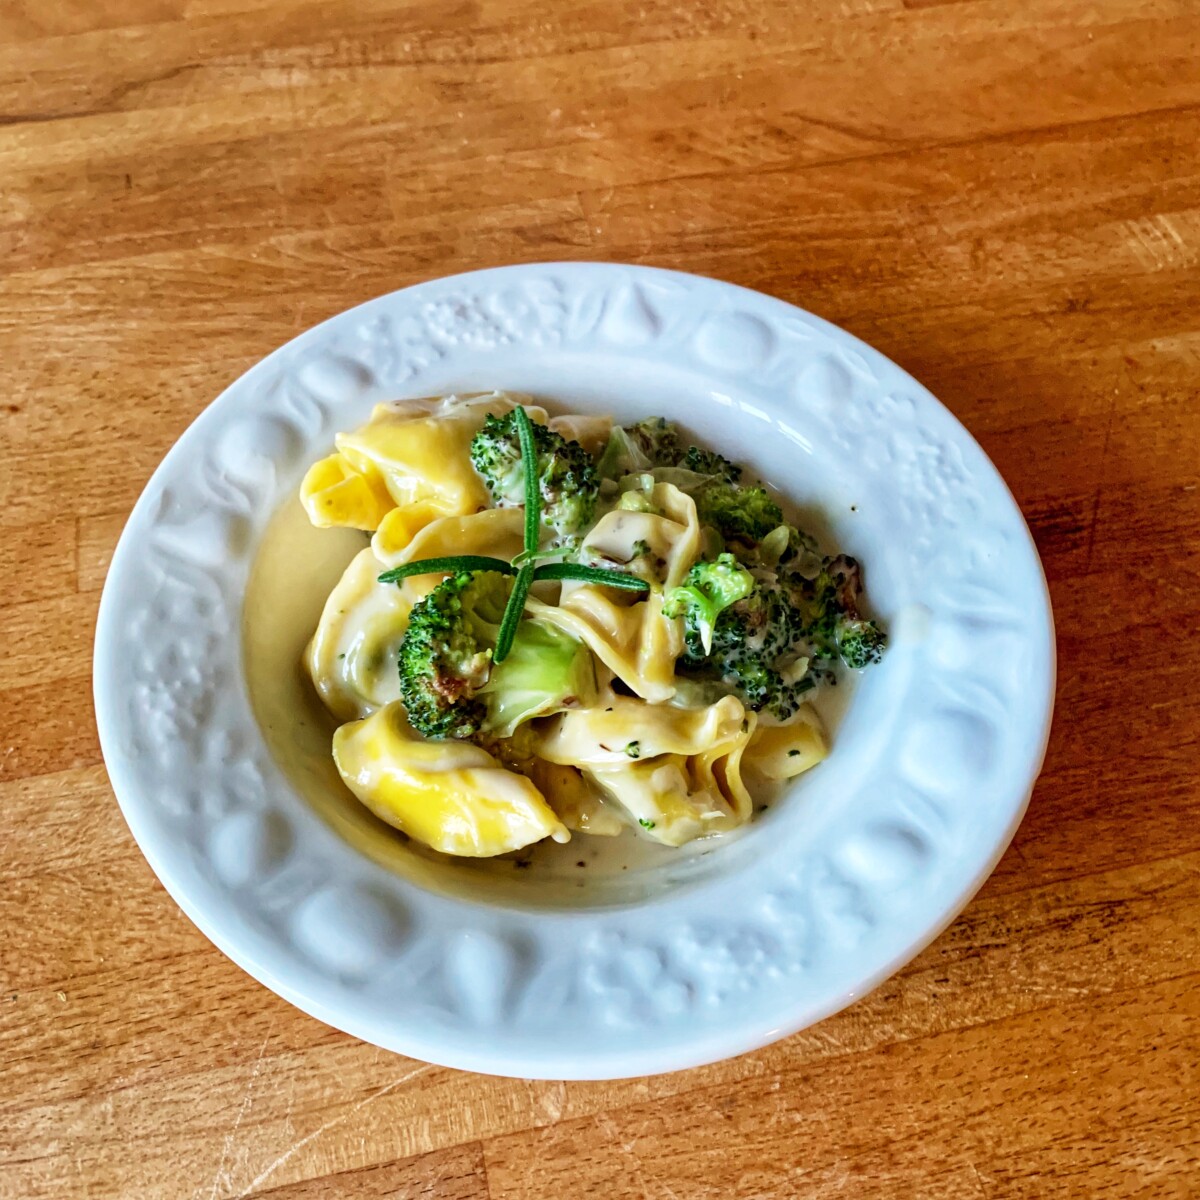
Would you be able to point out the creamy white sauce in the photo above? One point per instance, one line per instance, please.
(296, 569)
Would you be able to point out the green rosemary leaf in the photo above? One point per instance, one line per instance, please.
(586, 574)
(533, 491)
(452, 562)
(513, 613)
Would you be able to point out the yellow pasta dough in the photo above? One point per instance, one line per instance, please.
(451, 795)
(352, 655)
(785, 751)
(414, 452)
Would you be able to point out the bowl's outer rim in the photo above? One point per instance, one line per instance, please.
(639, 1063)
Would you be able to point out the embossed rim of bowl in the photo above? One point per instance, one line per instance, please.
(857, 876)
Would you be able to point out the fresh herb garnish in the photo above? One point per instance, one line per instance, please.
(645, 824)
(513, 613)
(533, 492)
(451, 564)
(634, 749)
(524, 565)
(617, 579)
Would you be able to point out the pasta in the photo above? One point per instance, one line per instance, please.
(495, 531)
(625, 728)
(784, 751)
(563, 626)
(451, 795)
(634, 640)
(352, 656)
(413, 453)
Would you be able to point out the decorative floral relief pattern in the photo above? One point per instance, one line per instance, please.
(201, 765)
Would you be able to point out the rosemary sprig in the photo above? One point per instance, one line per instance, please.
(515, 609)
(580, 571)
(524, 566)
(533, 490)
(513, 613)
(451, 563)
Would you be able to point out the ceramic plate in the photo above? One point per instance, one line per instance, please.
(848, 875)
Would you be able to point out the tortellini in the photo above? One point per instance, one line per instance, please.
(335, 493)
(495, 531)
(591, 432)
(631, 636)
(414, 453)
(625, 729)
(675, 798)
(576, 799)
(352, 656)
(781, 752)
(451, 795)
(630, 746)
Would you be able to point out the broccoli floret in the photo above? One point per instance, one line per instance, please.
(798, 545)
(707, 590)
(752, 651)
(446, 653)
(828, 618)
(448, 684)
(738, 513)
(860, 643)
(637, 494)
(764, 688)
(566, 474)
(709, 462)
(755, 650)
(763, 622)
(658, 441)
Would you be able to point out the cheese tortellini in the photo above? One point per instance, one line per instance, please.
(636, 743)
(352, 656)
(453, 796)
(409, 464)
(632, 638)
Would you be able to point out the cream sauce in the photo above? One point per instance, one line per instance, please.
(296, 569)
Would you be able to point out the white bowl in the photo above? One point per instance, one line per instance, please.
(845, 879)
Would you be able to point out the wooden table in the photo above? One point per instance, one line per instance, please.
(1003, 195)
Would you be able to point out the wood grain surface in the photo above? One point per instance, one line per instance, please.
(1003, 195)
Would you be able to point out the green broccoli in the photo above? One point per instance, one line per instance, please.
(744, 514)
(763, 687)
(448, 683)
(658, 441)
(637, 494)
(752, 651)
(446, 653)
(763, 622)
(827, 614)
(860, 642)
(785, 549)
(546, 671)
(709, 462)
(707, 590)
(566, 474)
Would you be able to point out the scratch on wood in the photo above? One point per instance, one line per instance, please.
(1157, 243)
(221, 1176)
(340, 1119)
